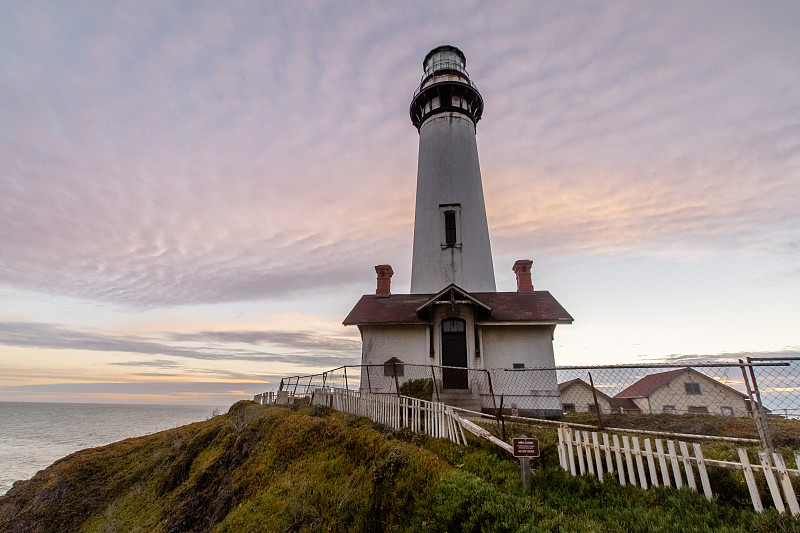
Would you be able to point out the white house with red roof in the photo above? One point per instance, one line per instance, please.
(454, 317)
(577, 397)
(683, 390)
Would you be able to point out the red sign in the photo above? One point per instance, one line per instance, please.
(525, 447)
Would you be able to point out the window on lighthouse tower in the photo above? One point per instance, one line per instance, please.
(450, 228)
(450, 225)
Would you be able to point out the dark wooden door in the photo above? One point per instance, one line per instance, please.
(454, 353)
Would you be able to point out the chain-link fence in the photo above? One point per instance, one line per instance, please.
(752, 398)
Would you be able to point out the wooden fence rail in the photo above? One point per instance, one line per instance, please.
(582, 452)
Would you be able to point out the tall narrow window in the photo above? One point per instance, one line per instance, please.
(451, 225)
(450, 228)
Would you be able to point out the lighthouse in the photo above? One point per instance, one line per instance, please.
(451, 235)
(454, 329)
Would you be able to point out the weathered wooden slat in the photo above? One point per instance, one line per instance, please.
(771, 483)
(607, 448)
(597, 457)
(687, 465)
(786, 483)
(461, 430)
(579, 449)
(618, 455)
(651, 462)
(570, 454)
(560, 447)
(701, 469)
(751, 480)
(562, 450)
(587, 448)
(475, 429)
(676, 470)
(629, 460)
(639, 463)
(662, 461)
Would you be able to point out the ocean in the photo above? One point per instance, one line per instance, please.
(34, 435)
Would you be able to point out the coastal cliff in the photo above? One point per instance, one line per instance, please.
(260, 468)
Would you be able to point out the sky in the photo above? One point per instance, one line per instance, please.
(193, 195)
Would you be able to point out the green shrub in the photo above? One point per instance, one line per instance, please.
(421, 389)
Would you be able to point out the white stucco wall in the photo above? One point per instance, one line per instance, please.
(529, 345)
(506, 345)
(409, 343)
(712, 395)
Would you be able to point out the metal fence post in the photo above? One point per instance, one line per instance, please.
(491, 393)
(502, 419)
(396, 383)
(756, 416)
(761, 413)
(596, 403)
(435, 388)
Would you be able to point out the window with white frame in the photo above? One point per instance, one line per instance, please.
(568, 407)
(669, 409)
(451, 225)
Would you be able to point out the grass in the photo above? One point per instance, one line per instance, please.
(262, 468)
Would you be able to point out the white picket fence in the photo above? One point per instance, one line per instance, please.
(266, 398)
(582, 452)
(429, 418)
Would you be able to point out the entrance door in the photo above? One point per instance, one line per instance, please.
(454, 353)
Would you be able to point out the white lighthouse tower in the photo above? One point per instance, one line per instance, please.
(451, 235)
(454, 329)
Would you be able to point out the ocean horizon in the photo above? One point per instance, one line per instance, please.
(36, 434)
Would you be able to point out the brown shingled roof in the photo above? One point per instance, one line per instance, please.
(394, 309)
(538, 306)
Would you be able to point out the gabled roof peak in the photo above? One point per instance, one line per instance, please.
(453, 295)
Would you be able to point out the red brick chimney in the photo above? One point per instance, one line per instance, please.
(522, 268)
(384, 280)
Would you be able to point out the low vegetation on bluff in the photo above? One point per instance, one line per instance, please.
(262, 468)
